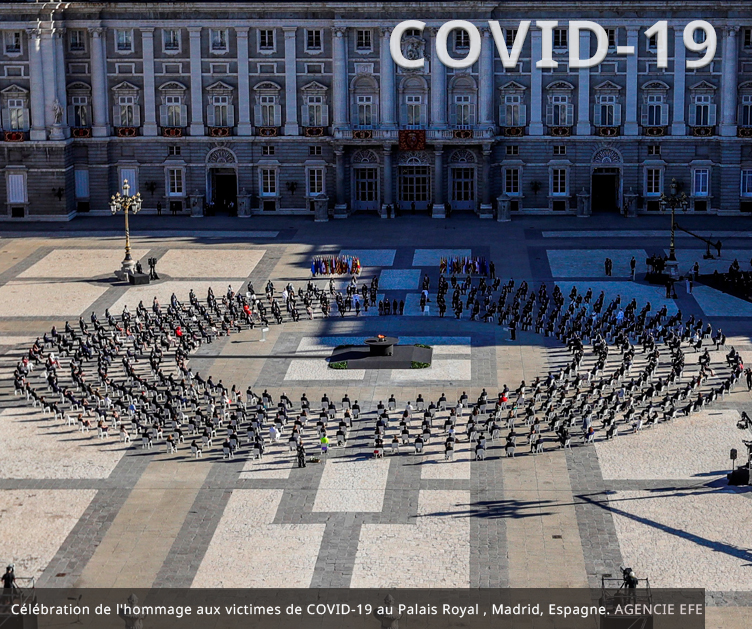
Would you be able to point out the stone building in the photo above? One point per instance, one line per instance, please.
(292, 107)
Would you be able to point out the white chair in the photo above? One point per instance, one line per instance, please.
(449, 455)
(510, 451)
(395, 448)
(480, 454)
(227, 453)
(418, 448)
(196, 451)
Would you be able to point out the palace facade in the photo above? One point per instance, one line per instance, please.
(290, 107)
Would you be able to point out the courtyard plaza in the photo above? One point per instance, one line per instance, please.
(79, 510)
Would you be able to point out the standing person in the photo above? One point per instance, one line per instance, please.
(632, 267)
(301, 455)
(9, 582)
(159, 208)
(607, 267)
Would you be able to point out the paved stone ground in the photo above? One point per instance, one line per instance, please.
(655, 500)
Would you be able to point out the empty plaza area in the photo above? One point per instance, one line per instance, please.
(220, 426)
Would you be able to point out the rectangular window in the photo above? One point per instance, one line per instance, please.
(315, 181)
(16, 188)
(171, 40)
(513, 112)
(461, 39)
(654, 149)
(745, 115)
(560, 38)
(464, 111)
(701, 182)
(129, 175)
(363, 40)
(80, 111)
(174, 110)
(268, 108)
(173, 150)
(513, 149)
(510, 34)
(611, 32)
(218, 39)
(746, 190)
(748, 37)
(607, 108)
(127, 106)
(314, 68)
(175, 181)
(653, 176)
(365, 111)
(124, 40)
(266, 39)
(268, 182)
(77, 41)
(414, 110)
(314, 38)
(559, 181)
(267, 150)
(655, 110)
(560, 149)
(702, 110)
(16, 111)
(267, 68)
(13, 42)
(560, 111)
(220, 107)
(512, 181)
(314, 150)
(315, 112)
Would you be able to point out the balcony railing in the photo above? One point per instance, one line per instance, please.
(608, 132)
(703, 132)
(560, 132)
(744, 132)
(655, 131)
(220, 132)
(81, 132)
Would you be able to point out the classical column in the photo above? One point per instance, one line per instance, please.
(485, 180)
(439, 209)
(387, 93)
(678, 127)
(631, 126)
(98, 84)
(388, 191)
(50, 82)
(583, 90)
(536, 84)
(244, 96)
(729, 82)
(340, 201)
(438, 87)
(62, 96)
(150, 104)
(291, 82)
(487, 78)
(339, 80)
(36, 97)
(197, 86)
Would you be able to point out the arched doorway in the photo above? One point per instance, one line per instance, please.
(221, 182)
(414, 181)
(462, 180)
(606, 181)
(365, 180)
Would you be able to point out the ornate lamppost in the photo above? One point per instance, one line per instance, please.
(673, 200)
(126, 203)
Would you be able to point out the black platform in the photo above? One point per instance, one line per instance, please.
(138, 278)
(360, 357)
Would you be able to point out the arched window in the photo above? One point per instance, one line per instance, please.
(125, 109)
(365, 102)
(268, 111)
(414, 102)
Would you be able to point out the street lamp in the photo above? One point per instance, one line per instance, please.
(126, 203)
(674, 200)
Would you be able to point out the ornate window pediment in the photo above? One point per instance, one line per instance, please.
(267, 86)
(219, 87)
(608, 86)
(606, 155)
(703, 87)
(314, 86)
(560, 86)
(14, 91)
(513, 87)
(655, 86)
(462, 156)
(365, 156)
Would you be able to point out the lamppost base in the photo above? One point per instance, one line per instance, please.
(672, 269)
(127, 268)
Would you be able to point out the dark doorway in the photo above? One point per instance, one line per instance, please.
(604, 194)
(224, 192)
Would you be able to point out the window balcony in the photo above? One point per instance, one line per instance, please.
(744, 132)
(267, 132)
(315, 132)
(14, 136)
(219, 132)
(655, 132)
(513, 132)
(127, 132)
(173, 132)
(608, 131)
(560, 132)
(703, 132)
(81, 132)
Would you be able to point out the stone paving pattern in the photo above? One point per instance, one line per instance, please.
(655, 500)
